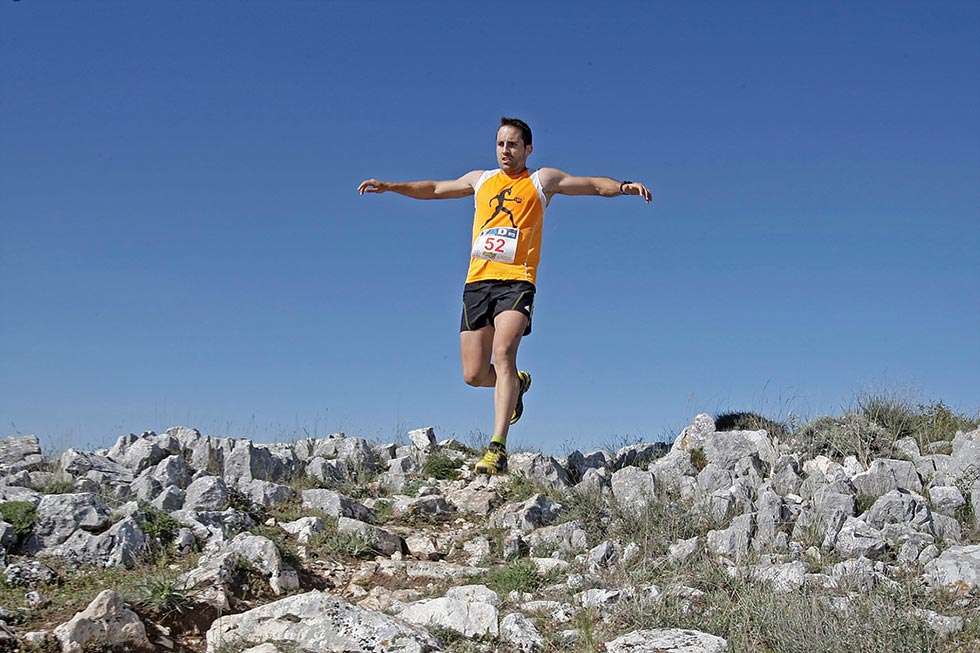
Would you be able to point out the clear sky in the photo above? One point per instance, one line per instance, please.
(181, 241)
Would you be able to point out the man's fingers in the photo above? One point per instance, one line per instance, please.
(368, 186)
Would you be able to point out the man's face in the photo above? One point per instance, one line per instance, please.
(511, 152)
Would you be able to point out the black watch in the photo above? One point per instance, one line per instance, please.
(621, 190)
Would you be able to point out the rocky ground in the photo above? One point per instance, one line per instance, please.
(741, 535)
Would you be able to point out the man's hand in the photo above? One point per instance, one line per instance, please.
(636, 188)
(372, 186)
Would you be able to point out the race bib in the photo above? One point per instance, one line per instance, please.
(496, 244)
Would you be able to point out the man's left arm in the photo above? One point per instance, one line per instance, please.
(559, 182)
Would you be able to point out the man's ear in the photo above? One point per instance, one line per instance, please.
(530, 148)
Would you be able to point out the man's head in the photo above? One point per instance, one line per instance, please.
(513, 145)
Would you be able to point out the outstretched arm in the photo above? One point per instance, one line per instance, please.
(559, 182)
(424, 190)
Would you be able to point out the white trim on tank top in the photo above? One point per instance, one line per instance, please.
(486, 175)
(539, 188)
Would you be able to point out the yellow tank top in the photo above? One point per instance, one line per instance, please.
(507, 227)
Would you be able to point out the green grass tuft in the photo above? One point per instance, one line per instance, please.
(21, 515)
(520, 575)
(439, 465)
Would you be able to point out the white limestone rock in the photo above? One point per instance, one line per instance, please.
(470, 619)
(957, 568)
(316, 621)
(667, 640)
(106, 621)
(521, 633)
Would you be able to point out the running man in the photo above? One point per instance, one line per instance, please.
(498, 296)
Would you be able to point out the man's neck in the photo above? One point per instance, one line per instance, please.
(514, 174)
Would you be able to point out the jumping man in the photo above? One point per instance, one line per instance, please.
(498, 296)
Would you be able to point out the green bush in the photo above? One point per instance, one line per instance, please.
(520, 575)
(164, 596)
(331, 543)
(157, 524)
(439, 465)
(750, 422)
(926, 423)
(852, 434)
(57, 486)
(698, 459)
(21, 515)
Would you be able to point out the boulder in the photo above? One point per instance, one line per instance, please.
(105, 622)
(470, 619)
(667, 640)
(569, 536)
(693, 435)
(885, 475)
(206, 493)
(423, 439)
(639, 455)
(336, 504)
(137, 453)
(856, 538)
(124, 544)
(946, 499)
(957, 568)
(316, 621)
(474, 594)
(520, 633)
(900, 507)
(528, 515)
(385, 542)
(734, 541)
(540, 469)
(60, 515)
(633, 488)
(19, 453)
(725, 448)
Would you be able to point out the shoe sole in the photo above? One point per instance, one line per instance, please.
(519, 408)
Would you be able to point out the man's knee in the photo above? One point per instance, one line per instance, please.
(505, 354)
(472, 378)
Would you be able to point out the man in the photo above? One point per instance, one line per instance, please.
(498, 296)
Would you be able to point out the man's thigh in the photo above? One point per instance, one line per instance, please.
(508, 327)
(475, 348)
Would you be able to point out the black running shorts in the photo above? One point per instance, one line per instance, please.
(484, 300)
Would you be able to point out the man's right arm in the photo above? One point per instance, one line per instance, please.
(425, 190)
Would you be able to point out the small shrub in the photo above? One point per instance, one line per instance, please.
(926, 423)
(283, 544)
(21, 515)
(439, 465)
(698, 459)
(241, 502)
(852, 434)
(520, 575)
(157, 524)
(750, 422)
(164, 596)
(57, 486)
(383, 511)
(330, 543)
(862, 503)
(412, 488)
(520, 488)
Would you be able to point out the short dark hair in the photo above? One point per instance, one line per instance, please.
(520, 124)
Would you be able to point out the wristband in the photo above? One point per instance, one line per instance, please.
(622, 191)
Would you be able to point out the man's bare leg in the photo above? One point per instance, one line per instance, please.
(508, 328)
(475, 348)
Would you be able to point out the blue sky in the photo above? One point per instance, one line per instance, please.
(181, 241)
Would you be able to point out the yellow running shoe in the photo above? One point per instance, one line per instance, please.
(525, 378)
(494, 461)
